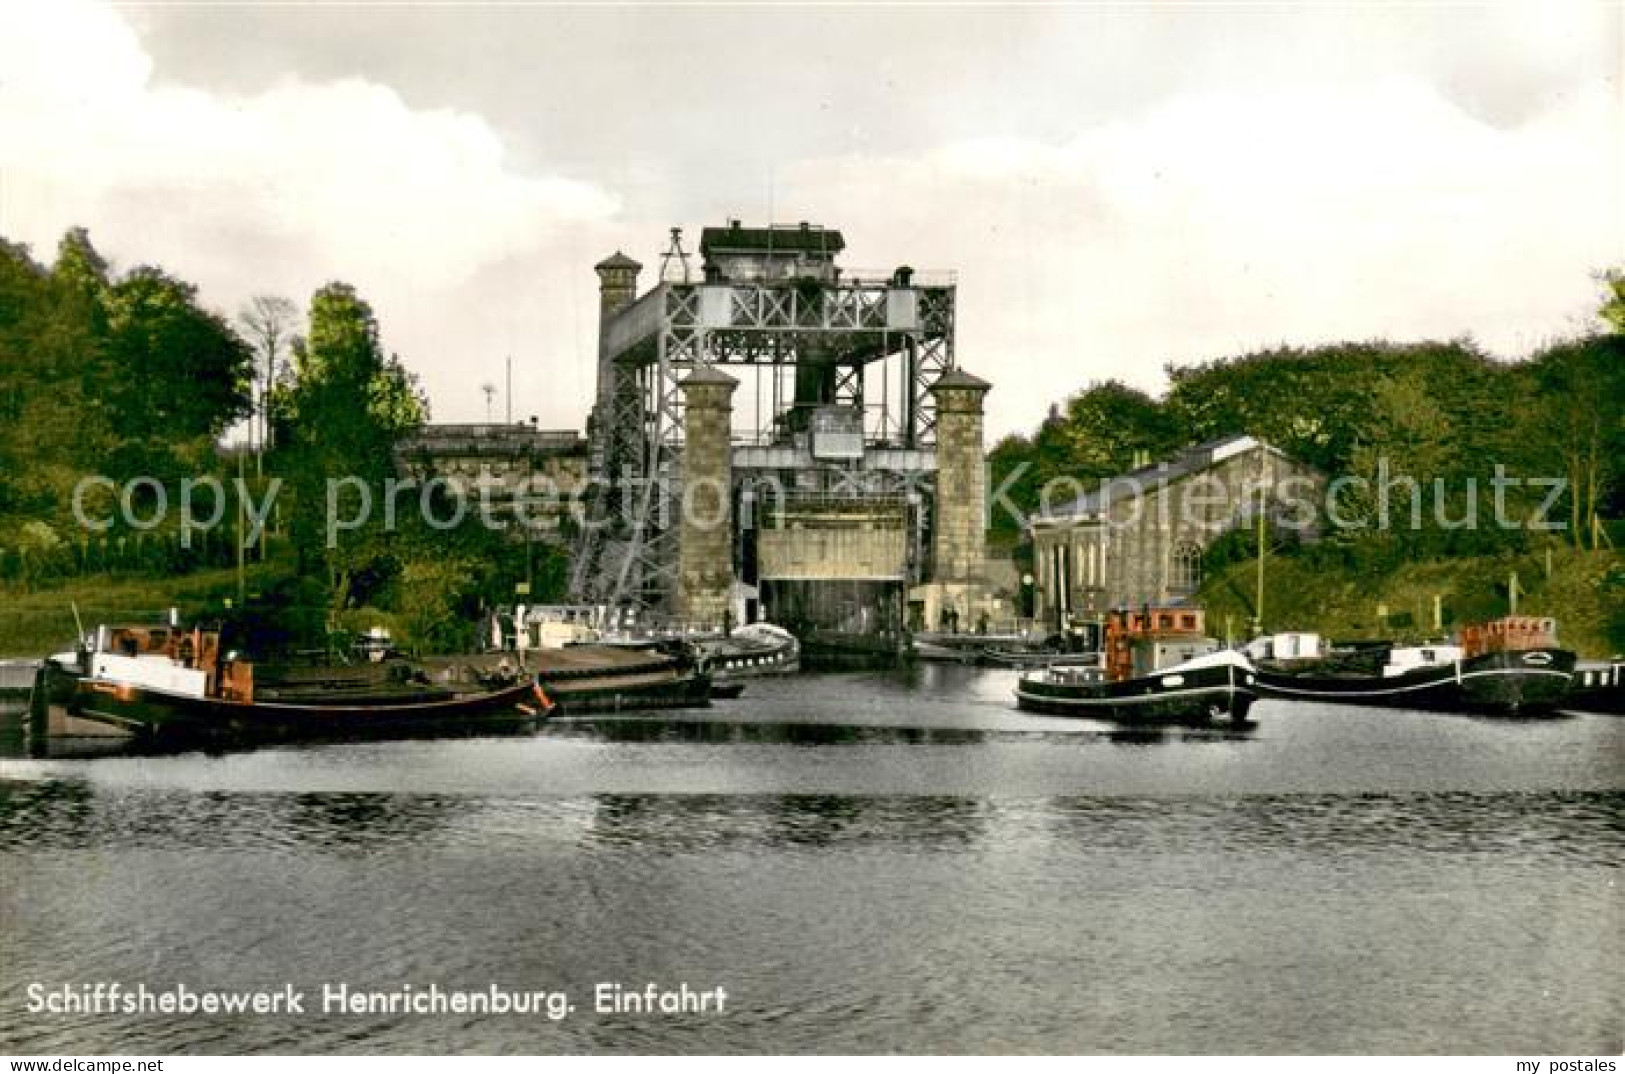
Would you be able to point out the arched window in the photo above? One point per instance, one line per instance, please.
(1185, 567)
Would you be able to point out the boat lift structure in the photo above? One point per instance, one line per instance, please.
(836, 373)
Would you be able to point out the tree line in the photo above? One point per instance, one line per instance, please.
(127, 376)
(1443, 413)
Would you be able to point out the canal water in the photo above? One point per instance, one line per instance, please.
(868, 862)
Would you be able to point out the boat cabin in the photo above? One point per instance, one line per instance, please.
(1142, 641)
(1599, 676)
(187, 662)
(1408, 658)
(1509, 634)
(1287, 646)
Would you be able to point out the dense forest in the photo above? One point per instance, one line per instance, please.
(126, 377)
(1443, 413)
(1437, 411)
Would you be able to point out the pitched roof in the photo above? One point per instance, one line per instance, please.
(1123, 486)
(618, 260)
(958, 378)
(788, 238)
(708, 374)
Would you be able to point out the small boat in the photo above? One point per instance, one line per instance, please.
(726, 691)
(1509, 666)
(1157, 667)
(1004, 657)
(993, 651)
(615, 678)
(1078, 643)
(940, 649)
(1598, 687)
(749, 652)
(165, 684)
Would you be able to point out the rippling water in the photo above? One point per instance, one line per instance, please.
(865, 863)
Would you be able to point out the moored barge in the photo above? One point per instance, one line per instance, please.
(165, 685)
(616, 678)
(1510, 666)
(1157, 667)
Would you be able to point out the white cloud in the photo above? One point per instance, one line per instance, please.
(1197, 186)
(277, 190)
(1227, 221)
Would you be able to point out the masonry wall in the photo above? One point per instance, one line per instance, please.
(959, 541)
(855, 543)
(705, 537)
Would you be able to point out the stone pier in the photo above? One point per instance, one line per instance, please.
(705, 531)
(959, 545)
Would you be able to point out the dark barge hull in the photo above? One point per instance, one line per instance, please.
(81, 705)
(1599, 690)
(616, 678)
(730, 664)
(1607, 700)
(1201, 695)
(1521, 683)
(580, 696)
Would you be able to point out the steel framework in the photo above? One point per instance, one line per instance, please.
(885, 331)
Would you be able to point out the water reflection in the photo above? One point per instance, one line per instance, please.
(713, 822)
(703, 730)
(1159, 735)
(73, 814)
(665, 729)
(15, 742)
(1583, 827)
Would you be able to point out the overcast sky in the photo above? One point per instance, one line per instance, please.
(1117, 187)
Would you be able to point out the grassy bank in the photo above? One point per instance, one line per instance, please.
(39, 619)
(1585, 592)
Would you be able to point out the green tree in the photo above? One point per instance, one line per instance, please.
(80, 267)
(1309, 403)
(337, 417)
(1099, 432)
(101, 375)
(50, 423)
(1613, 310)
(175, 375)
(1572, 425)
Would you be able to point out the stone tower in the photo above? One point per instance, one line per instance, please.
(959, 544)
(705, 532)
(617, 283)
(617, 288)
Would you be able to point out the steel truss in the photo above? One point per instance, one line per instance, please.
(627, 554)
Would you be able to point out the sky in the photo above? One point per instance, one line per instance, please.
(1117, 187)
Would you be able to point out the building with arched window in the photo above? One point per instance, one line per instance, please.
(1140, 537)
(1185, 567)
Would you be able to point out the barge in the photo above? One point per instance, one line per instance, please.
(1157, 667)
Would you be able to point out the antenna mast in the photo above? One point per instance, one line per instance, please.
(675, 252)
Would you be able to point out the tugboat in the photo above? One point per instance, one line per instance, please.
(165, 684)
(1157, 667)
(1510, 666)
